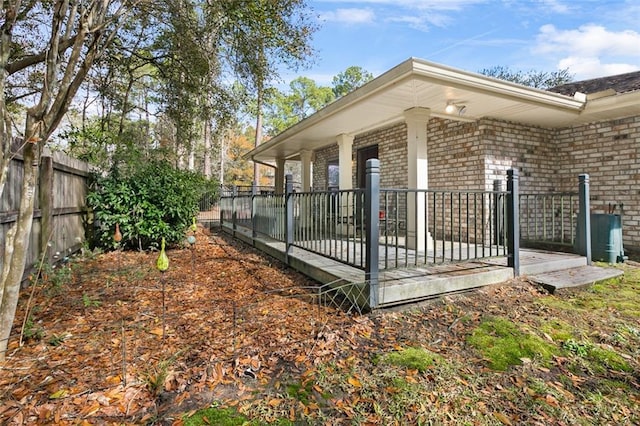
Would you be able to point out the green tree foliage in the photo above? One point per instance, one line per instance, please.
(349, 80)
(305, 96)
(532, 78)
(153, 201)
(303, 99)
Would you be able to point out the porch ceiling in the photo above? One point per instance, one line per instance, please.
(418, 83)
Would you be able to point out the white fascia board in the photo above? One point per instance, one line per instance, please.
(629, 101)
(438, 74)
(478, 82)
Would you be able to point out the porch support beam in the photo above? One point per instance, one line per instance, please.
(418, 237)
(345, 160)
(279, 178)
(305, 158)
(345, 176)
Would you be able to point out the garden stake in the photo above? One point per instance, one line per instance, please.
(163, 264)
(117, 237)
(191, 239)
(234, 326)
(124, 356)
(164, 308)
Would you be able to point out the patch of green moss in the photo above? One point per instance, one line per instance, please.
(226, 417)
(413, 358)
(556, 303)
(216, 416)
(621, 294)
(300, 392)
(558, 329)
(503, 344)
(608, 359)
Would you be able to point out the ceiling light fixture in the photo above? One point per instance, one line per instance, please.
(450, 108)
(453, 108)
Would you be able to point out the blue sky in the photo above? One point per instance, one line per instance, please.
(591, 38)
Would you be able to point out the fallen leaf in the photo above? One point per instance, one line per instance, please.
(354, 382)
(502, 418)
(62, 393)
(275, 402)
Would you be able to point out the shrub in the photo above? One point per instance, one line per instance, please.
(153, 201)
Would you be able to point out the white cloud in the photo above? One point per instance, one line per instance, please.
(414, 4)
(585, 67)
(555, 6)
(349, 16)
(418, 14)
(420, 22)
(590, 50)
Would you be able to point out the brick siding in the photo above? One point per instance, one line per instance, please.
(472, 155)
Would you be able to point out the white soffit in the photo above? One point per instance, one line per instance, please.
(418, 83)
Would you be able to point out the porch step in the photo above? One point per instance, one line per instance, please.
(574, 277)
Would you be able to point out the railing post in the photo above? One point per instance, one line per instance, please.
(288, 226)
(254, 192)
(497, 211)
(584, 216)
(234, 212)
(371, 218)
(513, 221)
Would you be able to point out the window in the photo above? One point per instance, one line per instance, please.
(333, 175)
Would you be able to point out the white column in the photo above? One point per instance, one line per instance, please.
(345, 178)
(305, 158)
(279, 179)
(345, 160)
(418, 178)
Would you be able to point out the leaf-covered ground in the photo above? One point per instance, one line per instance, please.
(240, 331)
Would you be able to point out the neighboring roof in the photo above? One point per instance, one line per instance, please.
(621, 83)
(416, 83)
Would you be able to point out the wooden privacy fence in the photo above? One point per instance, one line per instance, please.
(60, 216)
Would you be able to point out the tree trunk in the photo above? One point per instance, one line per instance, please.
(258, 140)
(207, 148)
(16, 257)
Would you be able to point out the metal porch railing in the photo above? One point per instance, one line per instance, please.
(549, 219)
(379, 229)
(425, 227)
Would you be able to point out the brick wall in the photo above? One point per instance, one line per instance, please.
(455, 155)
(609, 152)
(323, 156)
(472, 155)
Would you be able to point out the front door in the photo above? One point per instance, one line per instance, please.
(365, 154)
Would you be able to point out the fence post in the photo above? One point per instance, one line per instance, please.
(46, 206)
(497, 211)
(513, 221)
(584, 216)
(371, 218)
(288, 226)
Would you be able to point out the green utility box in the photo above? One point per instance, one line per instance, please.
(606, 238)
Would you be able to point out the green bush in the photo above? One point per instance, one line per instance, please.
(153, 201)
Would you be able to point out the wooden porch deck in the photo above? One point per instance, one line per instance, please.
(411, 283)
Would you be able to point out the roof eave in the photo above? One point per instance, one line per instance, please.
(437, 73)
